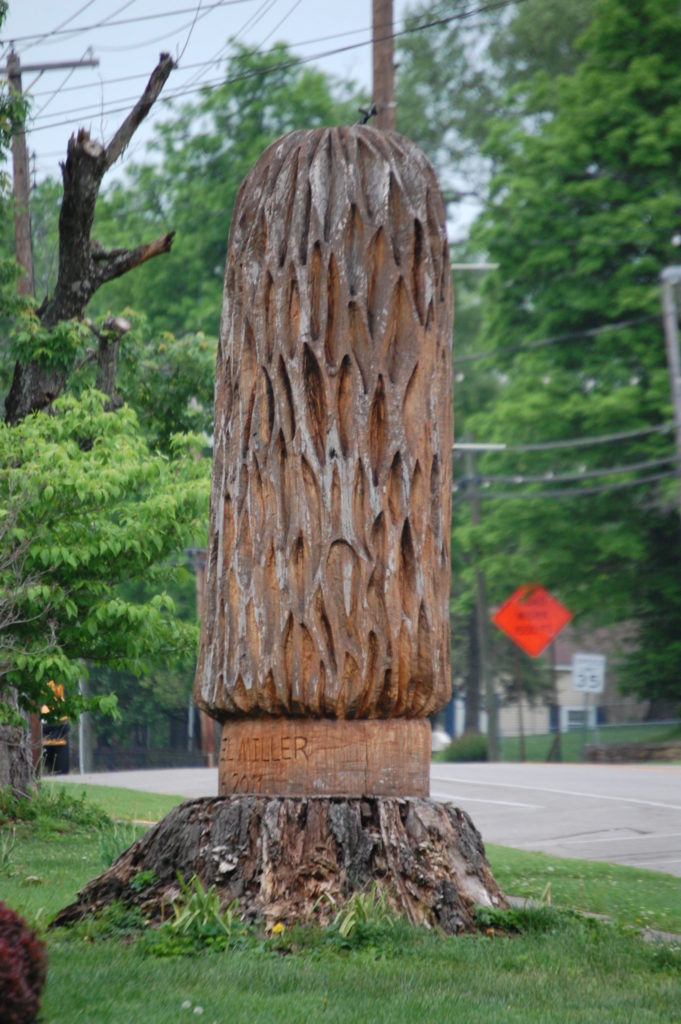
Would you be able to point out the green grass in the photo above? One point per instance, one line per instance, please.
(570, 969)
(629, 896)
(120, 803)
(572, 743)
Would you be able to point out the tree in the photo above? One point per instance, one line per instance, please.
(581, 217)
(460, 72)
(87, 505)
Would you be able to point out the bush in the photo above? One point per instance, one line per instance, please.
(22, 969)
(472, 747)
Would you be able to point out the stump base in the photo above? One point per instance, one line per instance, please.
(325, 757)
(277, 857)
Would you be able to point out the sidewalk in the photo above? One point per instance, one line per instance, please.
(184, 782)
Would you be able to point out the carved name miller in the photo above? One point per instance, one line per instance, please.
(263, 749)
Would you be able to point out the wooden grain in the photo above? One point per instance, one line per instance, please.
(316, 757)
(298, 860)
(328, 571)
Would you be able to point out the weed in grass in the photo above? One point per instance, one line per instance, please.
(522, 920)
(114, 837)
(117, 920)
(7, 844)
(143, 880)
(198, 923)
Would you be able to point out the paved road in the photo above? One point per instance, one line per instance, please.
(623, 814)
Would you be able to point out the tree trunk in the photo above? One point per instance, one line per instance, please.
(16, 759)
(297, 860)
(327, 590)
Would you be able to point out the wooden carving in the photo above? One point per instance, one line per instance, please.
(328, 569)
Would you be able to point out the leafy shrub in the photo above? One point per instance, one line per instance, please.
(472, 747)
(22, 969)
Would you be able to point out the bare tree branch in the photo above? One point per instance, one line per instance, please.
(158, 78)
(117, 262)
(83, 264)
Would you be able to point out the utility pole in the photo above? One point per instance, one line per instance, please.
(21, 178)
(21, 184)
(670, 277)
(469, 450)
(384, 67)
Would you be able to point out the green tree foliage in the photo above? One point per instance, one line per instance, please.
(90, 508)
(583, 208)
(461, 71)
(204, 151)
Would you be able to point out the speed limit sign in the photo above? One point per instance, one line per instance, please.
(588, 672)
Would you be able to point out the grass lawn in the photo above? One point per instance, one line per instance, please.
(572, 743)
(559, 969)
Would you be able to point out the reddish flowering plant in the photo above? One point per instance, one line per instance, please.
(22, 969)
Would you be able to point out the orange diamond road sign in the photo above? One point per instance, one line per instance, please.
(532, 618)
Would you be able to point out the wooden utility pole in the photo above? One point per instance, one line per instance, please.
(21, 184)
(670, 278)
(21, 178)
(384, 68)
(481, 614)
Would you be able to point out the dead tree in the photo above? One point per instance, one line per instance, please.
(84, 265)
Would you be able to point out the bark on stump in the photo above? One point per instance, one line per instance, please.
(278, 856)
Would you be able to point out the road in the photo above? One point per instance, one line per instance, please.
(619, 813)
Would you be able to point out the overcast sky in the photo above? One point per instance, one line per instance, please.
(127, 50)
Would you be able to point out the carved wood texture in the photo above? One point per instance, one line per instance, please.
(328, 570)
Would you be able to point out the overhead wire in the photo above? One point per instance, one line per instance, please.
(555, 339)
(108, 23)
(567, 492)
(283, 65)
(585, 442)
(46, 35)
(555, 478)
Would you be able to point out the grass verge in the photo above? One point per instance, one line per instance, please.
(560, 968)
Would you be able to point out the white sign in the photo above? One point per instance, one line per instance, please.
(588, 672)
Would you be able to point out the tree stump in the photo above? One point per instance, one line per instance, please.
(325, 627)
(281, 857)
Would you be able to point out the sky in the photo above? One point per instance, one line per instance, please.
(195, 33)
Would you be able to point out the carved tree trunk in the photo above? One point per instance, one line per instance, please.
(328, 572)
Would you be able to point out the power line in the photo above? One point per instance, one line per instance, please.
(582, 442)
(551, 477)
(124, 21)
(293, 62)
(568, 492)
(46, 35)
(555, 339)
